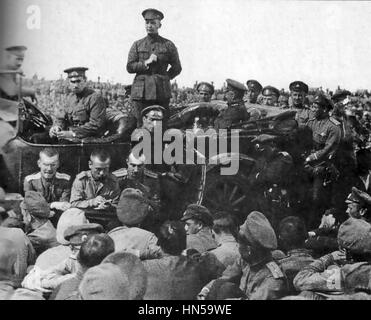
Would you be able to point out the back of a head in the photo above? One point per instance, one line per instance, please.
(225, 224)
(70, 217)
(172, 237)
(120, 276)
(95, 249)
(292, 233)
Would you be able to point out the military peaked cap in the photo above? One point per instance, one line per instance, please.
(299, 86)
(254, 85)
(150, 14)
(269, 90)
(235, 85)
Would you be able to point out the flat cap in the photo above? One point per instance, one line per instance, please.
(155, 111)
(35, 204)
(269, 90)
(323, 101)
(355, 236)
(120, 276)
(77, 234)
(258, 231)
(76, 72)
(254, 85)
(206, 87)
(196, 211)
(150, 14)
(235, 85)
(264, 138)
(71, 217)
(133, 207)
(340, 95)
(299, 86)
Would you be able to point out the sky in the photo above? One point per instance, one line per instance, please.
(323, 43)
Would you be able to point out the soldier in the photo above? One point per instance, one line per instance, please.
(326, 135)
(236, 111)
(85, 111)
(53, 186)
(205, 91)
(270, 96)
(132, 209)
(96, 190)
(149, 59)
(298, 93)
(13, 60)
(254, 88)
(258, 276)
(198, 220)
(283, 101)
(270, 178)
(344, 271)
(358, 206)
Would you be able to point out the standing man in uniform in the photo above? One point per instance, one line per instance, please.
(326, 135)
(205, 91)
(236, 111)
(254, 88)
(270, 96)
(149, 59)
(13, 59)
(298, 93)
(85, 111)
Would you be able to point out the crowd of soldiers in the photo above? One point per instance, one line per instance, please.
(108, 234)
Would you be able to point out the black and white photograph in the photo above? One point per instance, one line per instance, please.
(200, 150)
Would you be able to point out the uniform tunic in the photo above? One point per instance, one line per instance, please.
(153, 83)
(84, 114)
(58, 189)
(85, 188)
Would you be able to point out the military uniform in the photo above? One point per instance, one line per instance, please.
(293, 262)
(303, 112)
(151, 84)
(236, 111)
(84, 114)
(59, 189)
(85, 188)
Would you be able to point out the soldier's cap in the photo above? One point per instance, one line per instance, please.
(323, 101)
(254, 85)
(356, 197)
(71, 217)
(151, 14)
(17, 50)
(35, 204)
(235, 85)
(264, 138)
(299, 86)
(340, 95)
(120, 276)
(205, 86)
(198, 212)
(355, 236)
(269, 90)
(75, 72)
(133, 207)
(258, 231)
(77, 234)
(156, 112)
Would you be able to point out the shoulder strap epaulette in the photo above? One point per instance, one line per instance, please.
(82, 174)
(120, 173)
(334, 121)
(63, 176)
(34, 176)
(275, 270)
(150, 173)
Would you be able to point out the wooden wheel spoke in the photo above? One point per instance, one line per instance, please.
(238, 200)
(233, 193)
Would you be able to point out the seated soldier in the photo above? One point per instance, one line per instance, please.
(96, 191)
(39, 229)
(85, 111)
(53, 186)
(131, 211)
(198, 220)
(255, 276)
